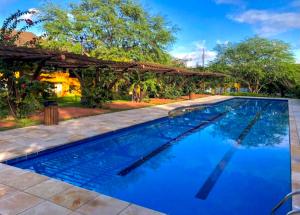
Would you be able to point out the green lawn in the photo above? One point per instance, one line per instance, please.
(68, 101)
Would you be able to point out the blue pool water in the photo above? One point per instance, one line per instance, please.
(229, 158)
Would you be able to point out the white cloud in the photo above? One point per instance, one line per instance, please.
(33, 11)
(220, 42)
(193, 57)
(70, 16)
(267, 22)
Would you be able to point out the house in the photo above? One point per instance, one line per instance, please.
(25, 38)
(63, 83)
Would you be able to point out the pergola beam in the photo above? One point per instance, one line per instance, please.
(74, 61)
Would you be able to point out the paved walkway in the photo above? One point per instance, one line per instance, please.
(23, 192)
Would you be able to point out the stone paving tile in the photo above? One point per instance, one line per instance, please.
(6, 155)
(73, 198)
(6, 191)
(48, 188)
(26, 180)
(9, 174)
(3, 167)
(17, 203)
(103, 205)
(295, 149)
(296, 166)
(296, 185)
(137, 210)
(47, 208)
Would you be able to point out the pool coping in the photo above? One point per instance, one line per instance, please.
(294, 119)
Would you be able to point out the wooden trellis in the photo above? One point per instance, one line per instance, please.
(65, 60)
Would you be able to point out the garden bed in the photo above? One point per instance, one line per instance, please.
(75, 111)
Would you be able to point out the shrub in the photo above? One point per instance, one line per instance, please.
(28, 106)
(248, 94)
(3, 104)
(297, 92)
(171, 91)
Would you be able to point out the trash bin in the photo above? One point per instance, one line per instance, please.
(51, 116)
(192, 96)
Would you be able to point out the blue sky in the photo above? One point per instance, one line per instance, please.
(204, 23)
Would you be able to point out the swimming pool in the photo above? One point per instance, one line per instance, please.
(229, 158)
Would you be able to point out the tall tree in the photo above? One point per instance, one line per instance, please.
(109, 29)
(19, 88)
(256, 62)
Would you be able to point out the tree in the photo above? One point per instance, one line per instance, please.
(256, 62)
(19, 89)
(112, 29)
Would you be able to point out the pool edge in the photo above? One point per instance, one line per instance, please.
(294, 142)
(294, 119)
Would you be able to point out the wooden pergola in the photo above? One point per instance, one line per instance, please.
(64, 60)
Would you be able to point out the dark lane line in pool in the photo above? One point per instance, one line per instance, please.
(216, 173)
(143, 159)
(166, 145)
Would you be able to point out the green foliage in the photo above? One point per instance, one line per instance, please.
(147, 84)
(24, 122)
(96, 86)
(3, 104)
(20, 94)
(171, 91)
(112, 30)
(247, 94)
(95, 96)
(191, 87)
(67, 101)
(296, 89)
(256, 62)
(19, 91)
(28, 105)
(297, 92)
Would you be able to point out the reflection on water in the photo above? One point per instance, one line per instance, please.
(207, 158)
(271, 129)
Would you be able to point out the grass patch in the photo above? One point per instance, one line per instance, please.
(26, 122)
(19, 123)
(68, 101)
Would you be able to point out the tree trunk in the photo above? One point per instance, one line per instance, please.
(38, 70)
(82, 87)
(282, 92)
(11, 98)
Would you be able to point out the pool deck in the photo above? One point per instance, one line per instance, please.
(294, 118)
(24, 192)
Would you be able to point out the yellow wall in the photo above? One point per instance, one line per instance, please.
(64, 84)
